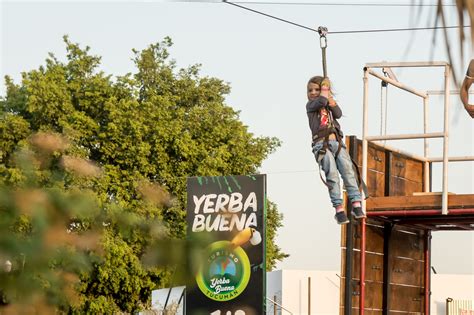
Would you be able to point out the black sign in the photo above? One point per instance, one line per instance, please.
(229, 277)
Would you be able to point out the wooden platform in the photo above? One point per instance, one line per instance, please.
(387, 256)
(419, 202)
(424, 212)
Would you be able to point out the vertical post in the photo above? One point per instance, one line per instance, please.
(426, 182)
(364, 177)
(427, 257)
(365, 128)
(309, 295)
(387, 267)
(181, 298)
(448, 305)
(167, 299)
(362, 267)
(348, 270)
(274, 305)
(353, 147)
(447, 73)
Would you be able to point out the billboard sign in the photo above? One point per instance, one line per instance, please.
(229, 277)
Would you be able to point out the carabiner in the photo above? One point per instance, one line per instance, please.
(322, 31)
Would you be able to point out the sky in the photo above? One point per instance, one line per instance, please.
(267, 64)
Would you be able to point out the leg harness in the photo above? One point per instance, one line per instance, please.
(325, 134)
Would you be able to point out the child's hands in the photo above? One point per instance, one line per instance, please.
(326, 88)
(332, 101)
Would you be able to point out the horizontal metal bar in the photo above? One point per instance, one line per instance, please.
(397, 84)
(406, 213)
(407, 136)
(452, 159)
(455, 219)
(441, 92)
(407, 64)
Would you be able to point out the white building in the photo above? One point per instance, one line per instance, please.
(290, 288)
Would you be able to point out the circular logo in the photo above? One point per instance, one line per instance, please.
(225, 272)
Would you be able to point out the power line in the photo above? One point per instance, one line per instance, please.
(342, 32)
(347, 4)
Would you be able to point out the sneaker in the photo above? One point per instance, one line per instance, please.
(341, 217)
(358, 213)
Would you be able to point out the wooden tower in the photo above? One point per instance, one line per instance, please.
(386, 257)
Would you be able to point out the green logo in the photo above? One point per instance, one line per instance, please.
(225, 273)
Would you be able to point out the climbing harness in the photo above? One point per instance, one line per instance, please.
(332, 127)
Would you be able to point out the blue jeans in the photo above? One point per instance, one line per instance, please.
(332, 167)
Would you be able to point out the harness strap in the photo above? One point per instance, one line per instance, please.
(323, 151)
(319, 158)
(362, 185)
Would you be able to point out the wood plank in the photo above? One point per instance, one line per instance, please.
(373, 295)
(355, 311)
(406, 245)
(374, 238)
(375, 157)
(418, 202)
(406, 299)
(402, 187)
(372, 223)
(407, 272)
(431, 193)
(375, 183)
(373, 266)
(407, 168)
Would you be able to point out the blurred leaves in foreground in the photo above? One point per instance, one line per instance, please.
(54, 233)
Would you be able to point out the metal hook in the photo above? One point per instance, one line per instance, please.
(322, 36)
(323, 31)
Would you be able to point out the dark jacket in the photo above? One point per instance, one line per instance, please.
(312, 110)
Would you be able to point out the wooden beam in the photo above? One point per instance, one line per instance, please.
(418, 202)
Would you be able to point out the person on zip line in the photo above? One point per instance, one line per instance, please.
(328, 148)
(466, 84)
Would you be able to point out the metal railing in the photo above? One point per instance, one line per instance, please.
(368, 69)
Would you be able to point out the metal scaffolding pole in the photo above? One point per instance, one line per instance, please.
(364, 178)
(426, 165)
(446, 139)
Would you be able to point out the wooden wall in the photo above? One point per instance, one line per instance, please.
(394, 279)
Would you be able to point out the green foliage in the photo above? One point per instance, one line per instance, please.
(274, 253)
(146, 132)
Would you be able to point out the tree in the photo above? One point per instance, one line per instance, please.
(464, 7)
(146, 132)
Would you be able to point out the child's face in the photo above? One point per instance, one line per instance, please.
(313, 91)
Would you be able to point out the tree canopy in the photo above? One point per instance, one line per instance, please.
(146, 132)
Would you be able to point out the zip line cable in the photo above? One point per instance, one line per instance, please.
(237, 4)
(398, 29)
(346, 4)
(342, 4)
(270, 16)
(342, 32)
